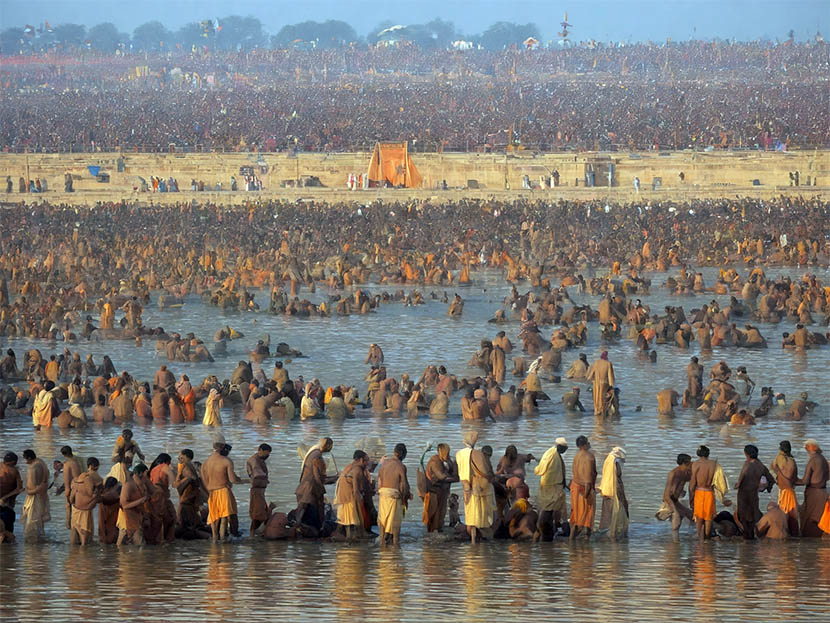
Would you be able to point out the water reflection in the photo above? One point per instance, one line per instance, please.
(520, 576)
(391, 582)
(351, 564)
(38, 571)
(431, 576)
(218, 581)
(705, 580)
(79, 571)
(581, 574)
(779, 567)
(474, 580)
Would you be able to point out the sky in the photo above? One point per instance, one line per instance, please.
(603, 20)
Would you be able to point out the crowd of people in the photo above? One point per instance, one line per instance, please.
(60, 266)
(135, 502)
(694, 59)
(63, 264)
(678, 96)
(68, 274)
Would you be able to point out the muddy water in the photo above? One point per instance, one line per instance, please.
(429, 577)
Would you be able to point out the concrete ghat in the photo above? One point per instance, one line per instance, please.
(706, 175)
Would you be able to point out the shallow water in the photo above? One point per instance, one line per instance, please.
(430, 577)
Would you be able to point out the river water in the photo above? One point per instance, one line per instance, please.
(429, 577)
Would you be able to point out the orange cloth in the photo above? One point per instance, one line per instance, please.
(464, 277)
(52, 371)
(824, 522)
(391, 163)
(221, 503)
(190, 406)
(129, 520)
(425, 515)
(704, 505)
(786, 500)
(582, 508)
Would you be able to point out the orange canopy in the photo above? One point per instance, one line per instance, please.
(391, 163)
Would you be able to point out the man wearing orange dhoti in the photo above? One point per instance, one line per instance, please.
(583, 489)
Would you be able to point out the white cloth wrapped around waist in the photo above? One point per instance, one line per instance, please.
(389, 492)
(390, 509)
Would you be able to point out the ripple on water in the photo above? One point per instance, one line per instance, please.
(431, 576)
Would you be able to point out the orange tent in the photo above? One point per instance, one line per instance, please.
(391, 163)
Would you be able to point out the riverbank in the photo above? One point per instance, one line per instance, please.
(501, 176)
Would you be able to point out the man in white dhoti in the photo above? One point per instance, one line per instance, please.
(476, 476)
(36, 507)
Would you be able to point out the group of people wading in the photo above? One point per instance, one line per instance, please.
(134, 502)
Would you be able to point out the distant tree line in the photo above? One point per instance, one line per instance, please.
(246, 33)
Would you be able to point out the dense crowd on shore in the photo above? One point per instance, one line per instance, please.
(748, 96)
(475, 114)
(691, 60)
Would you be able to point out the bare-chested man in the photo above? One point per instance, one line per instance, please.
(101, 413)
(218, 477)
(702, 492)
(71, 470)
(571, 400)
(583, 489)
(513, 463)
(36, 507)
(11, 485)
(125, 445)
(131, 515)
(667, 400)
(163, 511)
(694, 389)
(84, 496)
(675, 489)
(258, 473)
(164, 378)
(773, 525)
(394, 493)
(815, 477)
(521, 519)
(786, 474)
